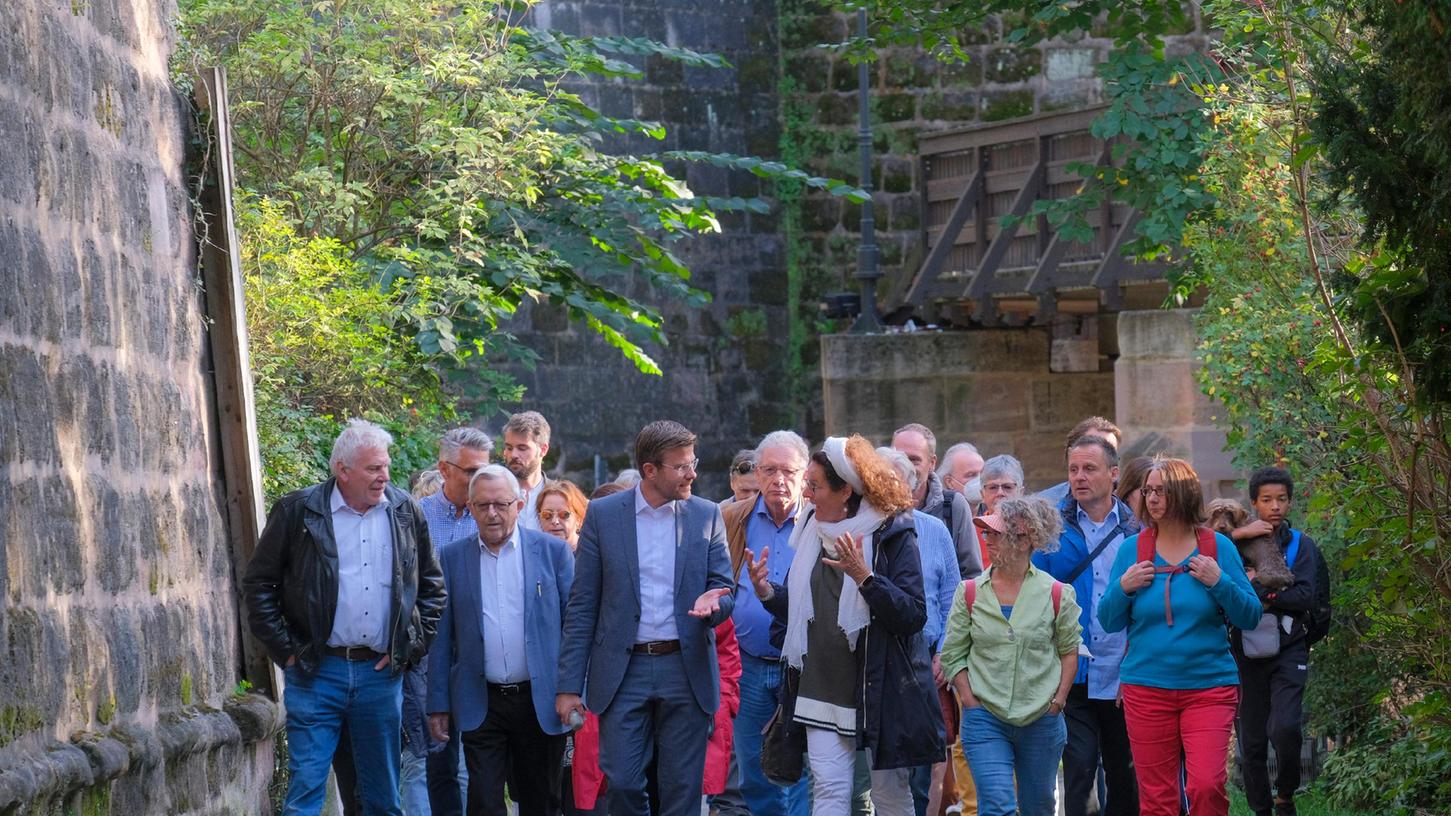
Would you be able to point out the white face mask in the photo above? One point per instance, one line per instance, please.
(972, 490)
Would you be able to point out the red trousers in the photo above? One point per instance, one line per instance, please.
(1165, 724)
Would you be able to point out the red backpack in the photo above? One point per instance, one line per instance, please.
(969, 596)
(1148, 541)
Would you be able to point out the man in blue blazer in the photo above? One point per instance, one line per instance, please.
(493, 667)
(653, 580)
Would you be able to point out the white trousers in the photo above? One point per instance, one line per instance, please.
(832, 759)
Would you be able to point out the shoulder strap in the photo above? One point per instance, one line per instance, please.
(1208, 543)
(948, 497)
(1148, 539)
(1294, 551)
(1057, 599)
(1083, 565)
(969, 594)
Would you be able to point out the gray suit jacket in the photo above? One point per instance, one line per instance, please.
(456, 683)
(603, 615)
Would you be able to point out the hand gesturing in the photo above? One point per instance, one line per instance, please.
(849, 558)
(757, 570)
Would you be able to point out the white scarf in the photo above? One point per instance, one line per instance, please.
(852, 614)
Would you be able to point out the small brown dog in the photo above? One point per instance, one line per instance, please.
(1259, 553)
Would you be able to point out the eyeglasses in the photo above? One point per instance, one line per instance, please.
(1000, 487)
(1153, 491)
(551, 515)
(773, 471)
(683, 468)
(485, 508)
(743, 468)
(469, 472)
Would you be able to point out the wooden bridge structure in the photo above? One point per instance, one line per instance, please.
(978, 271)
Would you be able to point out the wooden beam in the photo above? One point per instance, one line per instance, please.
(1042, 280)
(947, 239)
(1106, 277)
(231, 364)
(988, 267)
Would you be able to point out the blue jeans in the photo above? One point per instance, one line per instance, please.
(760, 684)
(997, 752)
(371, 704)
(654, 714)
(415, 785)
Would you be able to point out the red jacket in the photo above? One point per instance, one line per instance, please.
(589, 781)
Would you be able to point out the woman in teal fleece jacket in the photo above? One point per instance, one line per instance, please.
(1180, 685)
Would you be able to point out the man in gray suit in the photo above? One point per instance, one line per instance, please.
(493, 665)
(652, 581)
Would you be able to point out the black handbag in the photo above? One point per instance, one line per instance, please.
(783, 741)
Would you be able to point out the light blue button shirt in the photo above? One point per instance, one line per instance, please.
(1107, 647)
(501, 598)
(940, 576)
(446, 522)
(655, 546)
(753, 622)
(365, 575)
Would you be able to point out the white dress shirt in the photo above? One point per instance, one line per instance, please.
(1107, 648)
(655, 544)
(365, 575)
(501, 598)
(529, 516)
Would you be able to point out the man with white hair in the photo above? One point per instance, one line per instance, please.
(961, 465)
(767, 522)
(502, 626)
(345, 593)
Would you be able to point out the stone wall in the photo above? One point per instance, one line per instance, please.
(118, 618)
(1158, 400)
(993, 388)
(722, 372)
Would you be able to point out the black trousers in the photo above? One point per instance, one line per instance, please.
(441, 769)
(1096, 733)
(1271, 706)
(510, 746)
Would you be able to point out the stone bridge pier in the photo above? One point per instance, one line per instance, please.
(1020, 390)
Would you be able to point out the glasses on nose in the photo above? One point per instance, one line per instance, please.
(485, 508)
(1000, 487)
(469, 472)
(551, 515)
(773, 472)
(1153, 491)
(683, 468)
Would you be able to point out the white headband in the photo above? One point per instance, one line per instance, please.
(835, 450)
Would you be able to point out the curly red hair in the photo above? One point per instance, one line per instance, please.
(884, 488)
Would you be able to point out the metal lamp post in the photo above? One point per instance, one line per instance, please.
(866, 272)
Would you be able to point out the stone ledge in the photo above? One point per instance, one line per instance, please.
(94, 758)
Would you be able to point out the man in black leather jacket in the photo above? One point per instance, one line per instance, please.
(344, 590)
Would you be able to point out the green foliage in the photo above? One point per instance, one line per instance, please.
(326, 345)
(1399, 767)
(439, 143)
(1383, 116)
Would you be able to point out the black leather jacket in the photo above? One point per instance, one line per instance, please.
(291, 585)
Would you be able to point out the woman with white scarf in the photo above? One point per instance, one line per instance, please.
(853, 608)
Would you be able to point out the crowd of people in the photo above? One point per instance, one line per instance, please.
(854, 629)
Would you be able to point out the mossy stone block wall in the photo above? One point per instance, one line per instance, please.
(118, 618)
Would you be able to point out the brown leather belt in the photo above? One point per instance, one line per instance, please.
(354, 653)
(657, 647)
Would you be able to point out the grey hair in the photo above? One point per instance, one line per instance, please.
(1003, 465)
(359, 434)
(902, 464)
(427, 483)
(495, 473)
(1038, 518)
(919, 428)
(460, 438)
(785, 439)
(961, 447)
(628, 478)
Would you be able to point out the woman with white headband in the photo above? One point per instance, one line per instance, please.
(859, 670)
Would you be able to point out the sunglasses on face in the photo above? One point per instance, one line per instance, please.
(551, 515)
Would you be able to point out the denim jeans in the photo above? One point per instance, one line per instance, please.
(997, 752)
(760, 683)
(415, 785)
(371, 704)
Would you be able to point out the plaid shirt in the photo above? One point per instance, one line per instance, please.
(445, 522)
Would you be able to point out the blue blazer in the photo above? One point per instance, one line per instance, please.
(604, 607)
(456, 683)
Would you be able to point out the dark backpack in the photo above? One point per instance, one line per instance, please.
(1317, 622)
